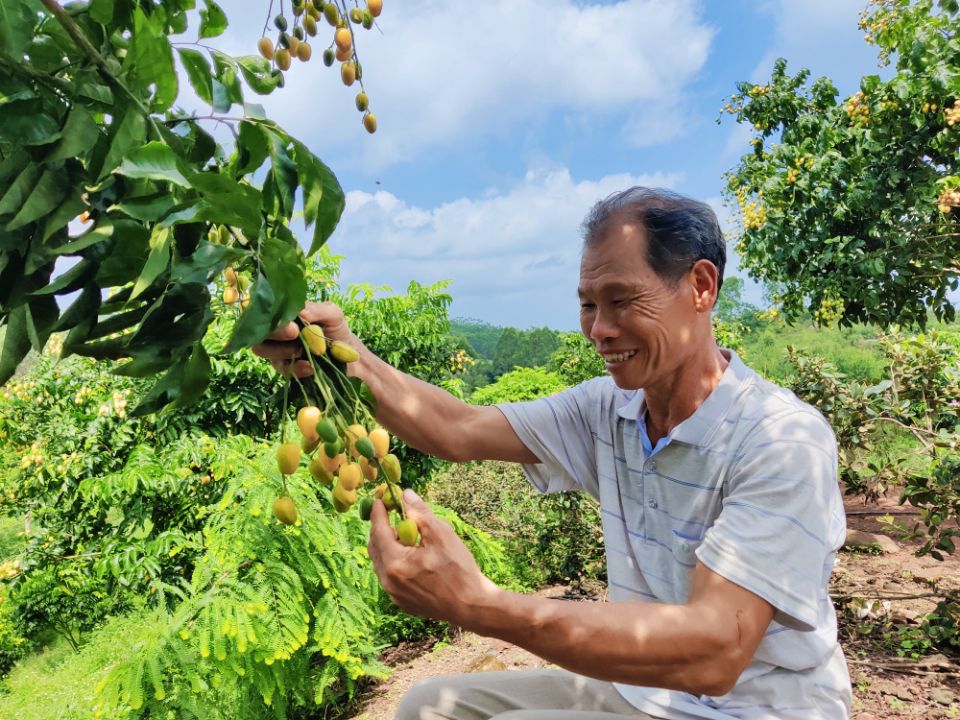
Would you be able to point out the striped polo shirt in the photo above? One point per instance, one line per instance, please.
(748, 486)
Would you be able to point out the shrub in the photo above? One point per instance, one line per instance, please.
(518, 385)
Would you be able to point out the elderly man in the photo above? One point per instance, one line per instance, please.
(721, 509)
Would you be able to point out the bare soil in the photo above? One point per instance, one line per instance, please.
(875, 594)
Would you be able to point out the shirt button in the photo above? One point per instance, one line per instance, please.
(653, 464)
(652, 503)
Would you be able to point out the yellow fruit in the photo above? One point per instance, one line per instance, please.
(344, 353)
(391, 467)
(230, 295)
(288, 458)
(345, 495)
(348, 73)
(369, 470)
(363, 102)
(283, 59)
(383, 494)
(370, 122)
(340, 507)
(312, 335)
(356, 15)
(332, 464)
(294, 44)
(381, 441)
(375, 7)
(307, 419)
(342, 55)
(351, 475)
(230, 275)
(343, 38)
(304, 51)
(319, 471)
(265, 46)
(407, 532)
(245, 303)
(284, 510)
(310, 25)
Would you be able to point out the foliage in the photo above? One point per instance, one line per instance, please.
(576, 360)
(730, 336)
(523, 348)
(552, 538)
(849, 206)
(13, 645)
(732, 309)
(519, 385)
(88, 127)
(480, 336)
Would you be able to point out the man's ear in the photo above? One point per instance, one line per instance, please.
(704, 280)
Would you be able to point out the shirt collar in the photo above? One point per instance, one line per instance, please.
(699, 427)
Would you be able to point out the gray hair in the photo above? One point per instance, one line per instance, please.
(680, 231)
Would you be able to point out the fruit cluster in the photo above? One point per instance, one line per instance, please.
(292, 41)
(952, 115)
(342, 455)
(236, 288)
(949, 199)
(858, 109)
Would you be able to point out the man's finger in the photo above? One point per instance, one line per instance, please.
(383, 539)
(278, 350)
(288, 332)
(418, 511)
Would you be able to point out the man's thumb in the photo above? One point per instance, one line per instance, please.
(418, 511)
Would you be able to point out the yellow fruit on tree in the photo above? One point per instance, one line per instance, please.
(348, 73)
(309, 444)
(307, 419)
(288, 458)
(312, 335)
(407, 532)
(265, 46)
(230, 295)
(230, 275)
(332, 464)
(339, 506)
(370, 471)
(304, 51)
(343, 38)
(343, 352)
(391, 467)
(351, 475)
(363, 102)
(383, 494)
(294, 44)
(370, 122)
(341, 55)
(354, 433)
(310, 25)
(283, 59)
(284, 510)
(331, 13)
(381, 441)
(319, 471)
(345, 495)
(375, 7)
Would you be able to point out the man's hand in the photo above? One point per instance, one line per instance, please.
(437, 579)
(283, 348)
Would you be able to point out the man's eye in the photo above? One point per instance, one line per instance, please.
(587, 306)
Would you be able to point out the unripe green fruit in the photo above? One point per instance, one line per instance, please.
(356, 15)
(328, 433)
(298, 33)
(310, 25)
(366, 507)
(288, 458)
(365, 448)
(407, 532)
(367, 21)
(284, 510)
(331, 13)
(329, 56)
(281, 22)
(363, 102)
(340, 506)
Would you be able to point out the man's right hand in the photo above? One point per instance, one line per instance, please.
(283, 347)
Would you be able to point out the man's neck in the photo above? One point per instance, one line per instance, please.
(675, 399)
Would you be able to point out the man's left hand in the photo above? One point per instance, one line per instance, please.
(437, 578)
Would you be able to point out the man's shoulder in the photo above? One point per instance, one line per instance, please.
(766, 406)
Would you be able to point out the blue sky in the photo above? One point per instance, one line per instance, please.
(502, 121)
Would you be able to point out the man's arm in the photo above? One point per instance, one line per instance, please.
(700, 647)
(426, 417)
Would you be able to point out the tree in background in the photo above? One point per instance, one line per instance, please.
(852, 206)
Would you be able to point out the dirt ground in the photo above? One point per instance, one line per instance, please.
(874, 592)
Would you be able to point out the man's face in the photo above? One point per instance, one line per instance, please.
(643, 327)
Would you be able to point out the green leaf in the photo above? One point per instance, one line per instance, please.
(16, 342)
(323, 199)
(67, 211)
(228, 202)
(125, 253)
(149, 60)
(177, 319)
(284, 267)
(131, 133)
(256, 322)
(83, 309)
(207, 261)
(18, 192)
(180, 386)
(148, 209)
(42, 314)
(17, 20)
(213, 21)
(154, 161)
(253, 147)
(101, 11)
(281, 182)
(28, 122)
(99, 233)
(157, 261)
(80, 133)
(256, 72)
(226, 71)
(46, 195)
(70, 280)
(199, 72)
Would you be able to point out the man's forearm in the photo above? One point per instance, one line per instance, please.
(679, 647)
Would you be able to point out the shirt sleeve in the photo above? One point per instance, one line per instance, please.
(558, 430)
(782, 519)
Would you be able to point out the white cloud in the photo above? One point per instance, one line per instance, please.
(513, 256)
(443, 73)
(821, 35)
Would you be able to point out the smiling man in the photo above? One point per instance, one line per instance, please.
(721, 508)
